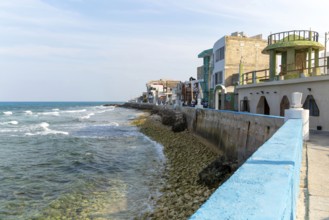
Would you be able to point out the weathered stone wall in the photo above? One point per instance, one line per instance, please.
(236, 134)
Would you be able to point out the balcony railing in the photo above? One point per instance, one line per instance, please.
(300, 35)
(261, 76)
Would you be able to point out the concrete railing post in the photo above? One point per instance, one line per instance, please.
(297, 112)
(254, 77)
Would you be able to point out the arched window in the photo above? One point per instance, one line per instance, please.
(311, 105)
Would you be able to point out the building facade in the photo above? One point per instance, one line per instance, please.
(204, 73)
(161, 91)
(300, 70)
(230, 53)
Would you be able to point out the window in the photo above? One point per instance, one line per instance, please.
(244, 105)
(220, 54)
(217, 55)
(218, 78)
(311, 105)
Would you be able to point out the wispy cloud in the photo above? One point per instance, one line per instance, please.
(108, 42)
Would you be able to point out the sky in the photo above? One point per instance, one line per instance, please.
(106, 50)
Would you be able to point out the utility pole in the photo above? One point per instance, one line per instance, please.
(325, 52)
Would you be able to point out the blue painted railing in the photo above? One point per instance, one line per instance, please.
(266, 186)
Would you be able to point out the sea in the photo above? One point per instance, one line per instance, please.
(75, 160)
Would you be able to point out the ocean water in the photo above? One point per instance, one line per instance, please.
(75, 161)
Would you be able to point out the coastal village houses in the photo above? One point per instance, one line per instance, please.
(161, 92)
(222, 64)
(254, 75)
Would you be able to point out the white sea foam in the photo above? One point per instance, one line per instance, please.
(114, 124)
(75, 111)
(158, 147)
(46, 130)
(87, 116)
(7, 113)
(28, 112)
(55, 109)
(9, 123)
(44, 125)
(107, 109)
(49, 113)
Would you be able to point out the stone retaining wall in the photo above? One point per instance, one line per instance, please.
(266, 185)
(236, 134)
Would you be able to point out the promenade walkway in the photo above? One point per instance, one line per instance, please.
(316, 178)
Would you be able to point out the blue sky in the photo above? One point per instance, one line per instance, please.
(93, 50)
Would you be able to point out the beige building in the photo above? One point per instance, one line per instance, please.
(229, 51)
(230, 54)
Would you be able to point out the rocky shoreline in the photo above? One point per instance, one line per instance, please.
(186, 157)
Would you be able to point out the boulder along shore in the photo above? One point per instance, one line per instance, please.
(186, 157)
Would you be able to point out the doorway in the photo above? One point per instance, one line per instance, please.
(263, 107)
(284, 104)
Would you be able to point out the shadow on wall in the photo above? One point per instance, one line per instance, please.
(236, 134)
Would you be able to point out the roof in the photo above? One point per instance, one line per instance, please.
(205, 53)
(298, 39)
(282, 46)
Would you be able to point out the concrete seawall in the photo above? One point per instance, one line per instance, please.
(236, 134)
(266, 185)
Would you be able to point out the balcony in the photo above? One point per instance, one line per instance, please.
(295, 35)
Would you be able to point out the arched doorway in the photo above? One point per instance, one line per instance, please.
(220, 99)
(284, 104)
(263, 107)
(310, 104)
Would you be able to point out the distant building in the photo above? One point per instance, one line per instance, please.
(161, 91)
(204, 75)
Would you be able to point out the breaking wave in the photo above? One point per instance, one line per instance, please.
(46, 130)
(49, 113)
(8, 113)
(28, 112)
(9, 123)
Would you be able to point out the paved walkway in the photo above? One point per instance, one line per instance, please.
(316, 174)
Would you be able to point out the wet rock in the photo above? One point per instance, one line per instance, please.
(180, 122)
(168, 117)
(217, 172)
(175, 119)
(155, 111)
(156, 118)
